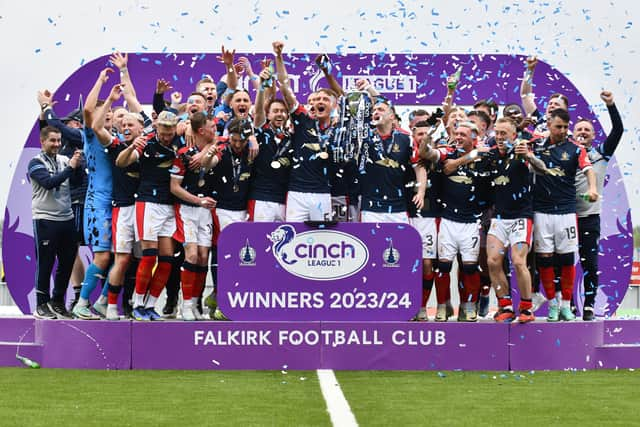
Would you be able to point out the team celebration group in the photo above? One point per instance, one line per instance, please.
(151, 193)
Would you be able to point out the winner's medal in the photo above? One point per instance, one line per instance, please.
(323, 155)
(201, 181)
(237, 165)
(278, 160)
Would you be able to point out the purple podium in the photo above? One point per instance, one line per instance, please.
(320, 297)
(77, 344)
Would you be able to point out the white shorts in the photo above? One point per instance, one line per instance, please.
(124, 228)
(154, 220)
(194, 224)
(462, 237)
(555, 233)
(512, 231)
(396, 217)
(262, 211)
(428, 230)
(224, 217)
(308, 206)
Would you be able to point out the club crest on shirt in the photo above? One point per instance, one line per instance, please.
(461, 179)
(388, 163)
(502, 180)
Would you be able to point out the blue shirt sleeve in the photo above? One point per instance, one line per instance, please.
(40, 174)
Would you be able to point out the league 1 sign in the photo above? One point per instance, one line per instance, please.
(291, 271)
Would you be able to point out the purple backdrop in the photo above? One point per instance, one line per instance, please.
(406, 79)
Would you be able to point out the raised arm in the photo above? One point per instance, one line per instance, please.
(69, 134)
(104, 135)
(92, 98)
(265, 79)
(452, 84)
(271, 87)
(255, 80)
(611, 143)
(232, 79)
(283, 77)
(526, 89)
(324, 63)
(128, 90)
(162, 86)
(365, 86)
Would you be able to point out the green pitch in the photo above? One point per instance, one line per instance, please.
(551, 398)
(51, 397)
(56, 397)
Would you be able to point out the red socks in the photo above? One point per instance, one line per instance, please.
(160, 277)
(443, 281)
(472, 287)
(567, 277)
(143, 275)
(547, 276)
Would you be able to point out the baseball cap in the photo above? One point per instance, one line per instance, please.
(74, 115)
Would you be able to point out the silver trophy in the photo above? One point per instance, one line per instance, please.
(353, 127)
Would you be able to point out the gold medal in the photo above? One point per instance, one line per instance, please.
(276, 164)
(236, 188)
(323, 155)
(201, 182)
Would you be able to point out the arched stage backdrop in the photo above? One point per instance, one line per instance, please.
(406, 79)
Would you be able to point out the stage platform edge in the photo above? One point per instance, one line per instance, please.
(77, 344)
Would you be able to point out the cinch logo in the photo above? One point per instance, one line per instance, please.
(318, 254)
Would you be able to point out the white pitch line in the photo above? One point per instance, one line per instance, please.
(337, 405)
